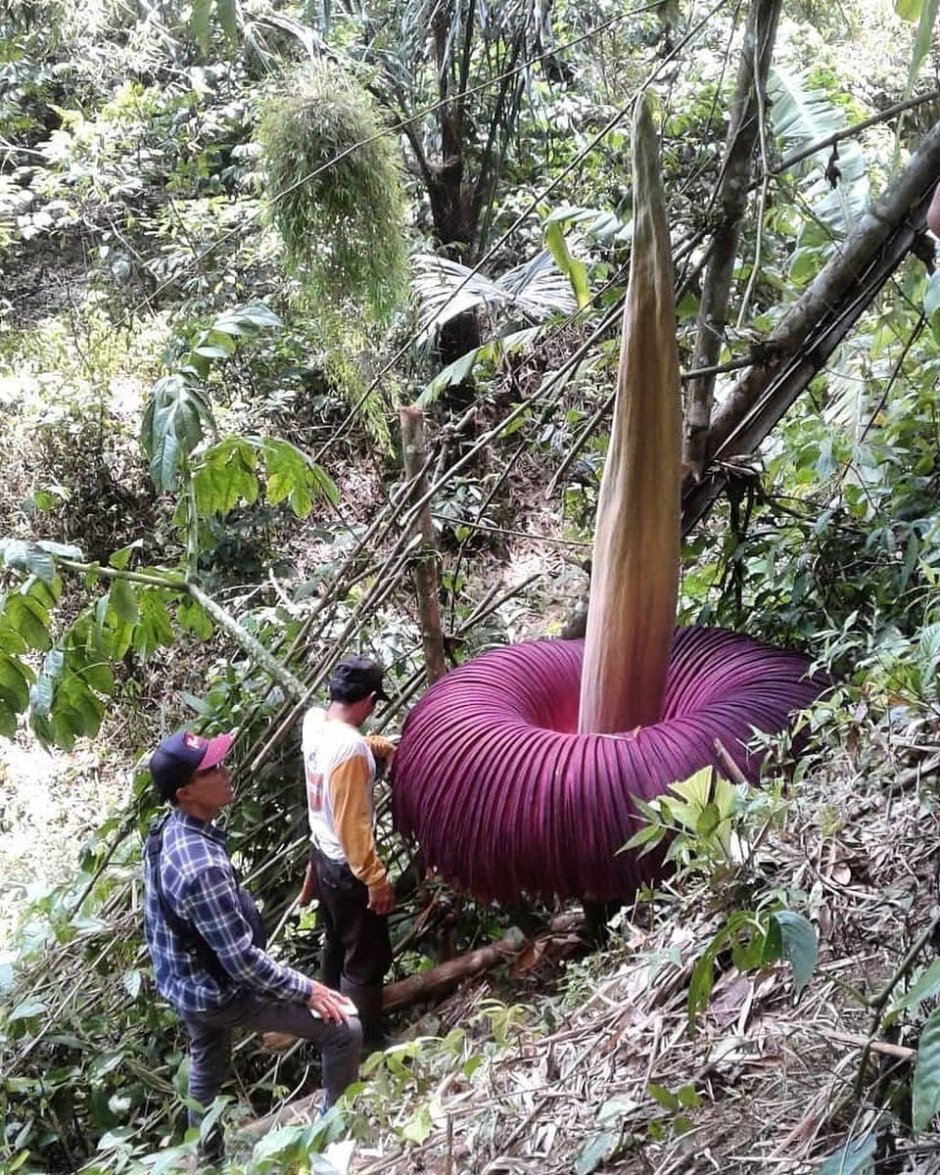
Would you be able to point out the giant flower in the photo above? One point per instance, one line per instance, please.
(517, 771)
(505, 796)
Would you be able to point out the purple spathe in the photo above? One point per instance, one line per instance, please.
(505, 798)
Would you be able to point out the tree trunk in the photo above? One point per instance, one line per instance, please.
(731, 199)
(425, 567)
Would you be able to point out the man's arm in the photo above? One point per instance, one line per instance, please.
(381, 747)
(211, 904)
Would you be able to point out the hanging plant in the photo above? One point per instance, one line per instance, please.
(517, 772)
(335, 192)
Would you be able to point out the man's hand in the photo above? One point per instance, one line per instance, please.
(329, 1005)
(309, 888)
(381, 898)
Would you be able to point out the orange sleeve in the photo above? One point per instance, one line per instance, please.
(379, 746)
(348, 794)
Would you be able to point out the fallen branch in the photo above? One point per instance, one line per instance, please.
(441, 980)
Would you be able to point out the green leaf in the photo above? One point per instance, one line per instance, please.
(28, 557)
(122, 599)
(925, 987)
(7, 719)
(245, 320)
(30, 619)
(649, 835)
(199, 23)
(855, 1157)
(700, 983)
(663, 1097)
(574, 270)
(153, 628)
(799, 946)
(193, 617)
(928, 18)
(908, 9)
(696, 790)
(225, 476)
(132, 981)
(175, 418)
(595, 1152)
(458, 372)
(419, 1126)
(15, 679)
(41, 697)
(925, 1092)
(228, 18)
(121, 558)
(290, 474)
(27, 1010)
(99, 676)
(709, 820)
(773, 943)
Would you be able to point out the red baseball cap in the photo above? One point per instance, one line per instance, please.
(180, 756)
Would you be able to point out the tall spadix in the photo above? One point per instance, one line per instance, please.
(635, 572)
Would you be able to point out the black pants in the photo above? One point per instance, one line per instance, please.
(210, 1048)
(356, 947)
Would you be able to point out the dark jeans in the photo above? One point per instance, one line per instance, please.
(210, 1050)
(356, 947)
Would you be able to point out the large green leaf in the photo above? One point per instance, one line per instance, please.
(225, 476)
(30, 619)
(199, 23)
(799, 946)
(925, 987)
(228, 18)
(123, 600)
(855, 1157)
(461, 369)
(175, 418)
(28, 557)
(290, 474)
(153, 629)
(15, 680)
(925, 1092)
(922, 42)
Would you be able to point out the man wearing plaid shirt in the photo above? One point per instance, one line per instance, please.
(207, 943)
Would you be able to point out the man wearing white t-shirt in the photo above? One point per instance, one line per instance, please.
(344, 870)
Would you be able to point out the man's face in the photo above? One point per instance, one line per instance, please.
(211, 788)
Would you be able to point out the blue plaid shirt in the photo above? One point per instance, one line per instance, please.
(199, 886)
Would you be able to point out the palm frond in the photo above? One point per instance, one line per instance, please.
(837, 184)
(445, 289)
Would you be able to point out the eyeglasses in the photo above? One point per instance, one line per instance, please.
(210, 770)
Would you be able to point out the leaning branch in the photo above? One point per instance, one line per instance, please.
(174, 583)
(817, 322)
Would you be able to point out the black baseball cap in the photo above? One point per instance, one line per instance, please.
(355, 678)
(180, 756)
